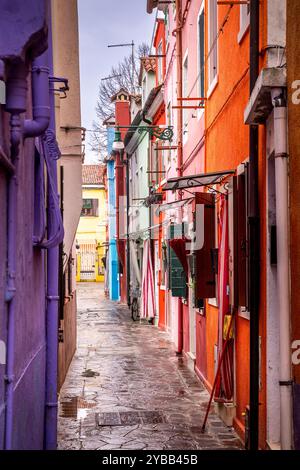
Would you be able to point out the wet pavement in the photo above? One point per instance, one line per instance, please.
(126, 388)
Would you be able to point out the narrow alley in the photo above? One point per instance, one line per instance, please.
(126, 388)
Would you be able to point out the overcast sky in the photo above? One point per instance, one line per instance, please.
(103, 22)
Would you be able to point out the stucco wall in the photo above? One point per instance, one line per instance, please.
(30, 347)
(68, 115)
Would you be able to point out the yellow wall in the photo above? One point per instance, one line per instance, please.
(93, 228)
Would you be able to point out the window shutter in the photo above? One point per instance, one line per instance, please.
(205, 276)
(177, 276)
(95, 207)
(233, 242)
(242, 239)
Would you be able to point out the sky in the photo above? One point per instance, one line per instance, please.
(103, 22)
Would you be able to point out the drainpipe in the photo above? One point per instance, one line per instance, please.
(118, 180)
(15, 105)
(179, 143)
(254, 238)
(282, 209)
(127, 223)
(50, 439)
(40, 99)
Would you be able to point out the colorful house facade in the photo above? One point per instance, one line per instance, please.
(112, 263)
(228, 300)
(91, 232)
(31, 223)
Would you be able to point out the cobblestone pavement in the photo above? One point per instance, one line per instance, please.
(126, 388)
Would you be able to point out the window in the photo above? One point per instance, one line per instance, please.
(205, 258)
(244, 20)
(238, 239)
(201, 52)
(185, 94)
(89, 208)
(169, 121)
(167, 25)
(155, 163)
(159, 63)
(144, 90)
(177, 276)
(212, 42)
(242, 244)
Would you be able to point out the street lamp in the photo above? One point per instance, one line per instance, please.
(118, 144)
(163, 134)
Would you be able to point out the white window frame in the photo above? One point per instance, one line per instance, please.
(185, 81)
(212, 31)
(244, 22)
(200, 111)
(159, 51)
(144, 89)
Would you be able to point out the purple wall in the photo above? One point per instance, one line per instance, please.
(28, 41)
(29, 364)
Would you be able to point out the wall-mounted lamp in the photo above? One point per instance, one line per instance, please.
(118, 144)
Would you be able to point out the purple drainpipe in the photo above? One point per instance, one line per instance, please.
(15, 105)
(50, 439)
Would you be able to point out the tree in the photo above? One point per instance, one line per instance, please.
(124, 75)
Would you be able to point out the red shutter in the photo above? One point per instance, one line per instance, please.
(205, 276)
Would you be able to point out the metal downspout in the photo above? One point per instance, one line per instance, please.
(254, 238)
(283, 275)
(127, 223)
(179, 142)
(50, 439)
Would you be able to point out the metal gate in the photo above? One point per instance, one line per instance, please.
(88, 261)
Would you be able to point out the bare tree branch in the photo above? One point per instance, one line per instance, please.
(125, 75)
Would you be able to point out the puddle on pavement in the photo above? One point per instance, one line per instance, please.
(90, 373)
(75, 407)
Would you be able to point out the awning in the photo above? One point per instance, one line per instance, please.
(173, 205)
(192, 181)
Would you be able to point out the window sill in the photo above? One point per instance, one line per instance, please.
(243, 313)
(213, 302)
(242, 33)
(200, 113)
(212, 86)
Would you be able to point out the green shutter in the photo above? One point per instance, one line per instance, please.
(177, 276)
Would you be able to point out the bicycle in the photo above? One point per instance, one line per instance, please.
(135, 304)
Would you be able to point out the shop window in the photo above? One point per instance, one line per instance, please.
(89, 208)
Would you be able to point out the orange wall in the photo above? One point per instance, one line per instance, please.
(227, 145)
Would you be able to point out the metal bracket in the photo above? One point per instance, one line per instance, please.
(285, 383)
(63, 89)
